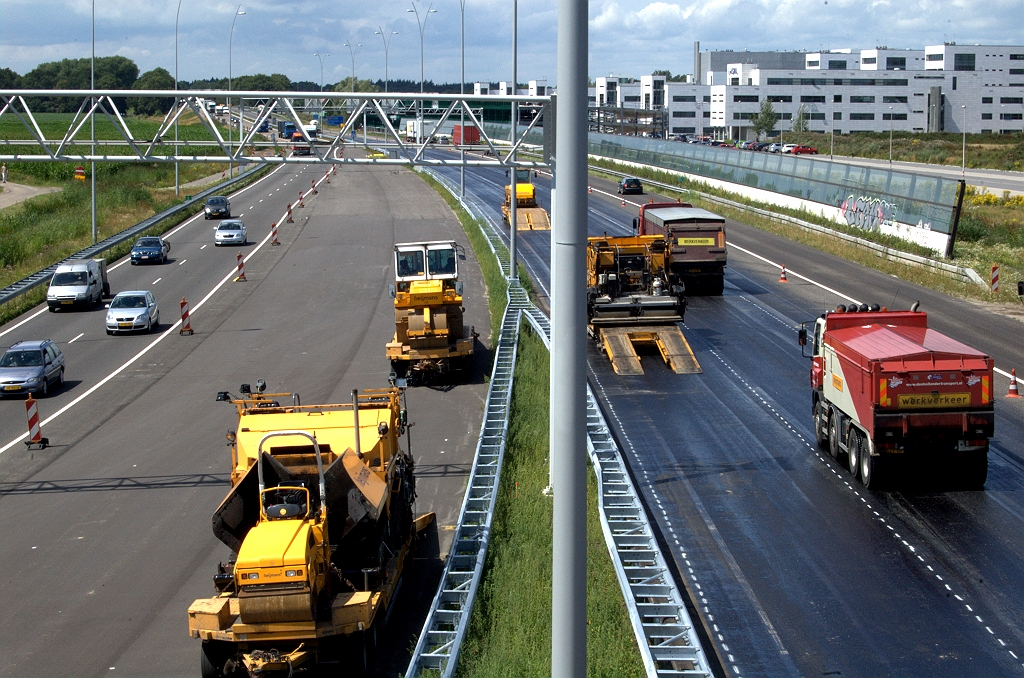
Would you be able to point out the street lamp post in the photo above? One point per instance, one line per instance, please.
(92, 119)
(963, 161)
(387, 44)
(462, 108)
(890, 137)
(231, 37)
(177, 183)
(320, 58)
(832, 139)
(422, 26)
(512, 273)
(355, 84)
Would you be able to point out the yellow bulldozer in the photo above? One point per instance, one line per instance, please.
(319, 522)
(634, 300)
(430, 336)
(529, 215)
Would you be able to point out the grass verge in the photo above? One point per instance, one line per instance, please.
(510, 627)
(978, 253)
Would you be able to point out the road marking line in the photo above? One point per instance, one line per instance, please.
(156, 281)
(182, 262)
(77, 338)
(203, 247)
(34, 315)
(145, 350)
(795, 275)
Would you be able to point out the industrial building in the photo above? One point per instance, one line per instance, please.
(941, 88)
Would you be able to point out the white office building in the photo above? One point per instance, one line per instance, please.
(947, 87)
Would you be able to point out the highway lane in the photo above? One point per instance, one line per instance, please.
(792, 572)
(119, 516)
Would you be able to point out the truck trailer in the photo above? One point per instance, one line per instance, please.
(319, 521)
(884, 387)
(697, 242)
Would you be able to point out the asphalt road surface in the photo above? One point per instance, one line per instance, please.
(107, 535)
(794, 567)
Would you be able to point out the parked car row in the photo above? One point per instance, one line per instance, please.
(763, 146)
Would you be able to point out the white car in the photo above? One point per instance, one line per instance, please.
(133, 312)
(788, 148)
(229, 232)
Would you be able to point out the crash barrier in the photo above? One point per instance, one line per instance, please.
(186, 321)
(38, 278)
(35, 432)
(657, 610)
(959, 273)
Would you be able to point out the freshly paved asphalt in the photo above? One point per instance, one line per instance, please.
(794, 567)
(107, 537)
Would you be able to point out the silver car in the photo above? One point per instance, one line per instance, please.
(31, 367)
(133, 312)
(229, 232)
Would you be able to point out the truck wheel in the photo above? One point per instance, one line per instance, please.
(212, 657)
(975, 470)
(716, 286)
(833, 435)
(853, 451)
(820, 425)
(869, 470)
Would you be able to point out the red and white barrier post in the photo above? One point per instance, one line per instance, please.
(289, 219)
(241, 269)
(35, 432)
(327, 176)
(300, 200)
(314, 186)
(995, 278)
(186, 322)
(273, 234)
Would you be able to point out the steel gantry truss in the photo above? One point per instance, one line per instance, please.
(16, 106)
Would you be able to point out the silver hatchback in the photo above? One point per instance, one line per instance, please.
(229, 232)
(133, 312)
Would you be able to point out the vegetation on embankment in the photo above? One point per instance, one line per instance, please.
(991, 231)
(991, 151)
(510, 626)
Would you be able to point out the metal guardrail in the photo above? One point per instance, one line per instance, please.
(38, 278)
(657, 610)
(445, 628)
(961, 273)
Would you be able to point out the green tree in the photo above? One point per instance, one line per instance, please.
(360, 86)
(800, 119)
(116, 72)
(764, 122)
(158, 78)
(9, 79)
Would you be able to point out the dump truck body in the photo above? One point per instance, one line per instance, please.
(633, 299)
(529, 215)
(319, 522)
(884, 384)
(697, 243)
(430, 335)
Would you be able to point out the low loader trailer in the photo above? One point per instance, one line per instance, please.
(885, 387)
(633, 300)
(529, 215)
(319, 520)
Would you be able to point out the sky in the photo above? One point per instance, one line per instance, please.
(626, 38)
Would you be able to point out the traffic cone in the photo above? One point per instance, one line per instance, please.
(1013, 392)
(590, 189)
(782, 278)
(623, 202)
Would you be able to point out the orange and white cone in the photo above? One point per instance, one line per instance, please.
(241, 269)
(1013, 392)
(35, 432)
(186, 321)
(782, 278)
(590, 189)
(623, 202)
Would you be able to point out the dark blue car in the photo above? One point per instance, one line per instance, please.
(150, 250)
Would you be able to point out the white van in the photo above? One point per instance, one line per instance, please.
(78, 283)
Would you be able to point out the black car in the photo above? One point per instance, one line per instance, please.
(217, 207)
(150, 249)
(630, 185)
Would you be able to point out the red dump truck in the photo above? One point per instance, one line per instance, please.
(885, 386)
(697, 243)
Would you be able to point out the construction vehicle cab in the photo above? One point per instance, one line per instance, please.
(633, 299)
(430, 336)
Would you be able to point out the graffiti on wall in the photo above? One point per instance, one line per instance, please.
(869, 214)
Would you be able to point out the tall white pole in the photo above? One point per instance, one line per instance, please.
(462, 108)
(231, 37)
(568, 351)
(963, 165)
(177, 182)
(890, 137)
(422, 26)
(387, 44)
(92, 118)
(512, 272)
